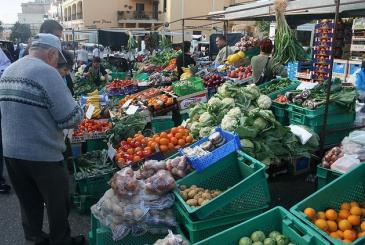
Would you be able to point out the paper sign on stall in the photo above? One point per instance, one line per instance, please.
(111, 151)
(132, 109)
(127, 103)
(90, 111)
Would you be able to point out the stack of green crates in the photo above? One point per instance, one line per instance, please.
(245, 195)
(280, 111)
(339, 117)
(190, 86)
(162, 123)
(325, 176)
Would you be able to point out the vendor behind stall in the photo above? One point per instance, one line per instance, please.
(224, 51)
(263, 69)
(96, 71)
(184, 59)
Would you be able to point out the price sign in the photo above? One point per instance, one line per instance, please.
(90, 111)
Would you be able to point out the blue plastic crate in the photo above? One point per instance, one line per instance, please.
(232, 144)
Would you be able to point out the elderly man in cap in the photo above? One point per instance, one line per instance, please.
(36, 106)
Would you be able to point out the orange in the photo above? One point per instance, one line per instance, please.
(321, 215)
(340, 233)
(354, 219)
(343, 214)
(189, 139)
(178, 136)
(349, 235)
(310, 212)
(331, 214)
(354, 204)
(346, 206)
(321, 224)
(181, 142)
(335, 235)
(156, 139)
(136, 158)
(174, 131)
(363, 211)
(332, 225)
(164, 148)
(361, 234)
(344, 225)
(356, 211)
(362, 226)
(163, 135)
(171, 146)
(164, 141)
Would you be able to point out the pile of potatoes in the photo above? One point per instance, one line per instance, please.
(196, 196)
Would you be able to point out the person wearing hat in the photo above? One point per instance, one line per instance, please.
(36, 106)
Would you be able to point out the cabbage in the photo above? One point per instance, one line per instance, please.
(281, 240)
(258, 236)
(196, 111)
(260, 123)
(274, 234)
(235, 112)
(252, 90)
(245, 241)
(229, 123)
(214, 104)
(264, 102)
(205, 132)
(228, 102)
(269, 241)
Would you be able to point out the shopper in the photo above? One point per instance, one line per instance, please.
(184, 59)
(36, 106)
(96, 52)
(82, 56)
(95, 70)
(224, 51)
(64, 67)
(4, 188)
(263, 69)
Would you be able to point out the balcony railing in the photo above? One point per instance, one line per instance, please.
(137, 15)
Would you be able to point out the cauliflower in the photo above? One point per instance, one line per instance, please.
(229, 123)
(264, 102)
(205, 132)
(235, 112)
(214, 104)
(228, 102)
(253, 90)
(206, 119)
(195, 128)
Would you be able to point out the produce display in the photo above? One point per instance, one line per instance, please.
(141, 96)
(214, 141)
(121, 87)
(162, 58)
(92, 126)
(247, 42)
(245, 111)
(259, 237)
(275, 85)
(94, 99)
(196, 196)
(213, 80)
(345, 222)
(316, 97)
(139, 147)
(241, 73)
(160, 102)
(281, 99)
(159, 79)
(93, 164)
(331, 156)
(172, 239)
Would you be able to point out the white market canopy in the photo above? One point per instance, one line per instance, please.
(310, 8)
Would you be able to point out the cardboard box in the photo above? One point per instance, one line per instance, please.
(185, 101)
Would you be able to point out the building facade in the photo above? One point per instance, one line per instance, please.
(34, 13)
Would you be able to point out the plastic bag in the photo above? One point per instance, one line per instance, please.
(159, 202)
(358, 137)
(178, 167)
(161, 217)
(160, 183)
(172, 239)
(345, 163)
(360, 115)
(124, 183)
(150, 167)
(331, 156)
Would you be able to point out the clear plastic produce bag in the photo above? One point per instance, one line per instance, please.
(160, 183)
(159, 202)
(172, 239)
(124, 183)
(345, 163)
(161, 217)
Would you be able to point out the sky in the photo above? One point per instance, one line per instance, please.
(9, 10)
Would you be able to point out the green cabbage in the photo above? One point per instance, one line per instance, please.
(245, 241)
(258, 236)
(260, 124)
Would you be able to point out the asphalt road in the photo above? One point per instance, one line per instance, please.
(11, 232)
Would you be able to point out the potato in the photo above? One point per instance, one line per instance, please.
(193, 187)
(192, 202)
(184, 195)
(204, 202)
(183, 187)
(197, 196)
(207, 196)
(200, 201)
(192, 193)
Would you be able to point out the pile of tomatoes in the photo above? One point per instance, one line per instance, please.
(241, 72)
(139, 147)
(92, 126)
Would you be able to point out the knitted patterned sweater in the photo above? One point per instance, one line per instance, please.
(36, 106)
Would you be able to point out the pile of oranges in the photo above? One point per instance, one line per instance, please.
(348, 224)
(139, 147)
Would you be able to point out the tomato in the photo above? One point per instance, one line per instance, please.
(173, 140)
(156, 139)
(164, 141)
(170, 136)
(163, 135)
(136, 158)
(137, 149)
(181, 131)
(129, 140)
(130, 157)
(178, 136)
(137, 143)
(130, 151)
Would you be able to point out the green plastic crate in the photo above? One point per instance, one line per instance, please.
(94, 186)
(196, 231)
(91, 239)
(333, 120)
(118, 75)
(160, 124)
(333, 108)
(274, 95)
(194, 84)
(280, 111)
(277, 219)
(325, 176)
(242, 180)
(94, 145)
(141, 77)
(83, 203)
(348, 187)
